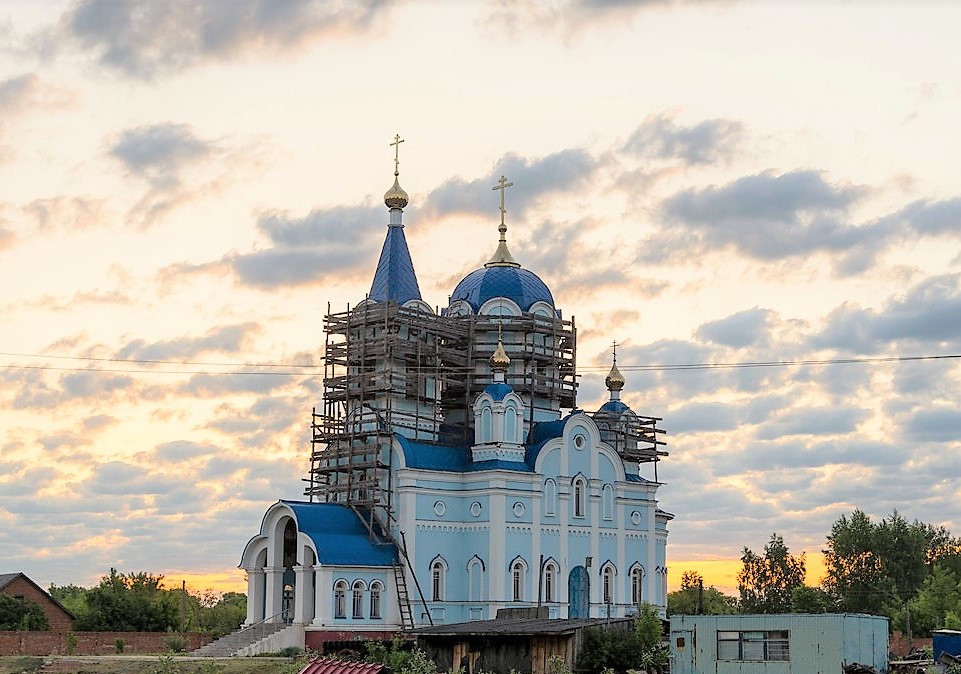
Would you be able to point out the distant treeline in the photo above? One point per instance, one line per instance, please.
(139, 602)
(908, 571)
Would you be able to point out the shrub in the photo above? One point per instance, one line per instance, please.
(176, 643)
(119, 645)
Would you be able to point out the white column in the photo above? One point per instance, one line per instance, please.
(497, 588)
(275, 592)
(651, 577)
(255, 596)
(324, 597)
(302, 587)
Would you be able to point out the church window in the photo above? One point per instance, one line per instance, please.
(637, 577)
(517, 577)
(438, 573)
(607, 577)
(487, 432)
(607, 501)
(475, 579)
(550, 581)
(375, 590)
(358, 607)
(340, 599)
(580, 496)
(550, 497)
(510, 424)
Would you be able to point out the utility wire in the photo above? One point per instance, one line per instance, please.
(306, 370)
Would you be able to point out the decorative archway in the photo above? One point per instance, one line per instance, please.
(579, 593)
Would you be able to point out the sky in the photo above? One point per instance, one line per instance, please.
(185, 187)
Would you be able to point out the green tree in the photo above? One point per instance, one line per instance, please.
(135, 602)
(71, 597)
(691, 600)
(21, 614)
(878, 568)
(807, 599)
(939, 596)
(766, 583)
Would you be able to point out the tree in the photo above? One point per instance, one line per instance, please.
(21, 614)
(806, 599)
(878, 568)
(766, 584)
(693, 598)
(135, 602)
(940, 595)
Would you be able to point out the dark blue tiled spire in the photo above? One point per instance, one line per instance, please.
(395, 280)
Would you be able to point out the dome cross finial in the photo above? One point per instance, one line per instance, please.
(396, 197)
(502, 256)
(614, 380)
(396, 144)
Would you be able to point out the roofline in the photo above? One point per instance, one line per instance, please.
(21, 574)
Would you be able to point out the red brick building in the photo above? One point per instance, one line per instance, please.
(18, 586)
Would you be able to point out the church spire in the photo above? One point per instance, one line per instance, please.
(502, 256)
(614, 380)
(499, 360)
(395, 280)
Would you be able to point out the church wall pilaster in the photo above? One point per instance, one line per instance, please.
(303, 594)
(324, 597)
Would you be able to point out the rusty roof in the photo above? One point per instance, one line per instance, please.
(334, 666)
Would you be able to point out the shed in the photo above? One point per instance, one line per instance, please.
(785, 643)
(945, 641)
(505, 644)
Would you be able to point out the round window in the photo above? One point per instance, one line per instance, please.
(518, 509)
(636, 517)
(475, 508)
(440, 508)
(579, 441)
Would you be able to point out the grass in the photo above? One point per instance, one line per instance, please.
(141, 664)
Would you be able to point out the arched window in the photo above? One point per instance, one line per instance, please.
(518, 571)
(510, 424)
(550, 497)
(358, 604)
(438, 579)
(475, 579)
(637, 583)
(580, 496)
(550, 581)
(340, 599)
(607, 583)
(487, 425)
(607, 501)
(375, 590)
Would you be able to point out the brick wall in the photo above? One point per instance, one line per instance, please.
(91, 643)
(56, 616)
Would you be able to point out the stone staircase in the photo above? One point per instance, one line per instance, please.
(243, 641)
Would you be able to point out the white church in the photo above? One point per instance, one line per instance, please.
(452, 473)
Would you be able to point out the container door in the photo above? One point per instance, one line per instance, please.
(682, 652)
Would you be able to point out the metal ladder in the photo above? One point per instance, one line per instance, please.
(403, 598)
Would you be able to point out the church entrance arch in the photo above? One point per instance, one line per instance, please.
(579, 593)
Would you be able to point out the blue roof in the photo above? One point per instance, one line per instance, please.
(498, 390)
(339, 535)
(635, 478)
(394, 280)
(520, 285)
(613, 407)
(450, 458)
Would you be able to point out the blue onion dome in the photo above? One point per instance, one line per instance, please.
(515, 283)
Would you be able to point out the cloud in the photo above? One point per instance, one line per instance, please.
(745, 328)
(159, 152)
(148, 38)
(68, 214)
(934, 425)
(354, 225)
(928, 315)
(29, 92)
(707, 142)
(229, 338)
(771, 216)
(282, 267)
(534, 177)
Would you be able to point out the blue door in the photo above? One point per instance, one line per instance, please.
(579, 593)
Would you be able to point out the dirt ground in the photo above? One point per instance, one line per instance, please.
(135, 664)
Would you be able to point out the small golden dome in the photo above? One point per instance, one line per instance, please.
(395, 197)
(499, 360)
(614, 380)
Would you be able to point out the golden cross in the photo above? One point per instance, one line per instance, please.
(502, 186)
(615, 351)
(396, 144)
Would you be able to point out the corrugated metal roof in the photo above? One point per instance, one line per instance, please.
(339, 535)
(333, 666)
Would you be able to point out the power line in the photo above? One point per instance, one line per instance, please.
(155, 362)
